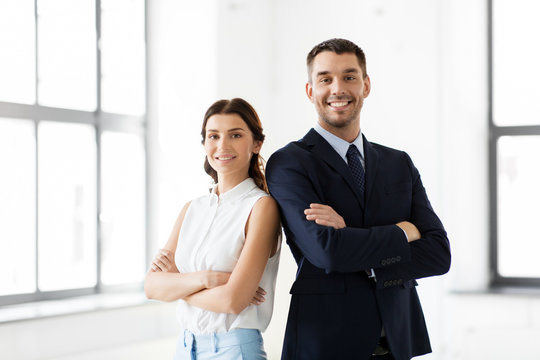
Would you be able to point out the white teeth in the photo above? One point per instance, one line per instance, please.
(225, 158)
(338, 104)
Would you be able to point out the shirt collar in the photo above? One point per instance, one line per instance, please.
(235, 193)
(341, 146)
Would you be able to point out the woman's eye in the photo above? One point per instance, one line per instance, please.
(236, 136)
(212, 137)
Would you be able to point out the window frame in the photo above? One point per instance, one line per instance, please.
(495, 133)
(101, 121)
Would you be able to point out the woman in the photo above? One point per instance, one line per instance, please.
(222, 257)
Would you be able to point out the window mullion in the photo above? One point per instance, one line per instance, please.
(99, 247)
(35, 119)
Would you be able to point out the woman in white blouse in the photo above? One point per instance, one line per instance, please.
(221, 259)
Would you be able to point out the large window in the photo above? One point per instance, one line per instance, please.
(72, 147)
(515, 142)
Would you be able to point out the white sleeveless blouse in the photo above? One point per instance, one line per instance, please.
(211, 238)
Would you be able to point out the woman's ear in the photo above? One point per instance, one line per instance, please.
(257, 147)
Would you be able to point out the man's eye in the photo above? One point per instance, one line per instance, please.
(350, 78)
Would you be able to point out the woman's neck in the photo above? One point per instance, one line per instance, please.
(226, 183)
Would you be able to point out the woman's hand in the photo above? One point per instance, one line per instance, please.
(324, 215)
(211, 278)
(164, 261)
(258, 298)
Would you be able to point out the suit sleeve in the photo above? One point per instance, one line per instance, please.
(340, 250)
(430, 255)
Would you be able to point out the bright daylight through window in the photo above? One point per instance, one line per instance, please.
(515, 142)
(72, 147)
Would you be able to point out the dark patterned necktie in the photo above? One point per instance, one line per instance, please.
(353, 158)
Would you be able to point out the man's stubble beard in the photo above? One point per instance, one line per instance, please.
(339, 124)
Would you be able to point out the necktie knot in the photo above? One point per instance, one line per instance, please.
(353, 159)
(352, 151)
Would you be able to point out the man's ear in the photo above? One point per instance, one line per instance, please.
(367, 86)
(309, 91)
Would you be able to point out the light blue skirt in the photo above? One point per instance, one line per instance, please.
(237, 344)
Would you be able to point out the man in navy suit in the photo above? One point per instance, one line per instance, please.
(359, 225)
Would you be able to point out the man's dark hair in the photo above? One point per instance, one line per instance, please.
(338, 46)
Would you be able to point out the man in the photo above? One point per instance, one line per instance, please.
(359, 225)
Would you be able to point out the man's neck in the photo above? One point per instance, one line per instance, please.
(348, 133)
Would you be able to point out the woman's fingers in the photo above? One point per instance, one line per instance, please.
(258, 298)
(163, 261)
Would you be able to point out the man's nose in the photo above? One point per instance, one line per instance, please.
(338, 87)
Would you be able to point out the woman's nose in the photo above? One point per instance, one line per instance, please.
(222, 143)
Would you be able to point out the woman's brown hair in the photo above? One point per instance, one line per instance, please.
(243, 109)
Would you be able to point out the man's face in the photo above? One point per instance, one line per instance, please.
(337, 89)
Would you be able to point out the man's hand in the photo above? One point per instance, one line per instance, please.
(324, 215)
(410, 229)
(164, 261)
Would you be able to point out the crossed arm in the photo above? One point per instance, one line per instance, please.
(335, 247)
(219, 291)
(326, 216)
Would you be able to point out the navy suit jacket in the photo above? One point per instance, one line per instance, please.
(336, 311)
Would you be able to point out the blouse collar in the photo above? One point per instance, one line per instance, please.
(235, 193)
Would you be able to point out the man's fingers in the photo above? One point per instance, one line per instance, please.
(324, 222)
(318, 206)
(319, 216)
(317, 212)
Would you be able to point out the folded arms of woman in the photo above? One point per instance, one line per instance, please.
(220, 291)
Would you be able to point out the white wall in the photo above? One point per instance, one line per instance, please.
(427, 62)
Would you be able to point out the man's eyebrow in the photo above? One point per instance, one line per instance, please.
(346, 71)
(321, 73)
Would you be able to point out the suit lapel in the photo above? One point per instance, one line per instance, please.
(323, 150)
(371, 159)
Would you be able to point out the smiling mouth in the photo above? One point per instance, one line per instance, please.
(338, 105)
(225, 158)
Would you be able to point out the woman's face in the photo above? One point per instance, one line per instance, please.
(229, 145)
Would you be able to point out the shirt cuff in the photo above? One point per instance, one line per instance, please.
(406, 237)
(371, 274)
